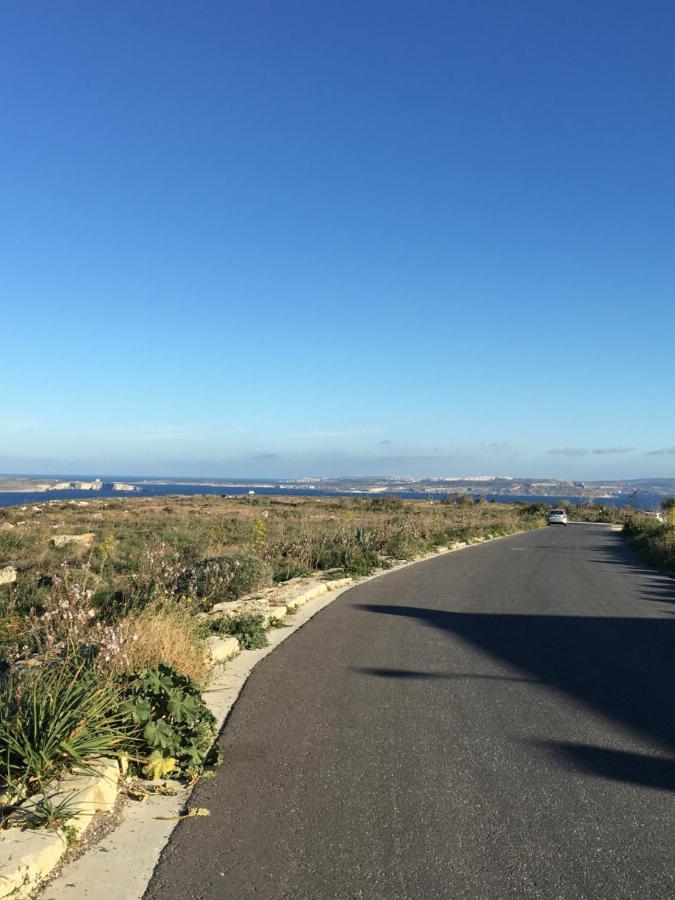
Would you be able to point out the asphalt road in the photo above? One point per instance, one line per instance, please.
(495, 723)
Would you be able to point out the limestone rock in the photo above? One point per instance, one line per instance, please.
(7, 575)
(82, 540)
(255, 606)
(222, 649)
(277, 613)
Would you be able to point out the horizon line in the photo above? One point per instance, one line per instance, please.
(80, 476)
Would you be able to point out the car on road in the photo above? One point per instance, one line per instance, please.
(557, 517)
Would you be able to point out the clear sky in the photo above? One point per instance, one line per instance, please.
(298, 238)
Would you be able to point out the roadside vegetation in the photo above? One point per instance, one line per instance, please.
(103, 630)
(654, 540)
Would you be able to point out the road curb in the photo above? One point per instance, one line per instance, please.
(146, 827)
(28, 856)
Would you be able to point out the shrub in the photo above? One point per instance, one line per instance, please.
(154, 575)
(248, 628)
(654, 541)
(286, 568)
(173, 727)
(224, 578)
(384, 504)
(165, 633)
(668, 506)
(55, 717)
(401, 545)
(532, 509)
(354, 553)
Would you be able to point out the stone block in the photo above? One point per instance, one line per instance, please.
(278, 613)
(86, 794)
(220, 649)
(26, 857)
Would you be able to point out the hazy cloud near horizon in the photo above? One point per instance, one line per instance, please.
(599, 451)
(568, 451)
(384, 457)
(609, 451)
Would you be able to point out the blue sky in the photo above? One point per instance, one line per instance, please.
(295, 238)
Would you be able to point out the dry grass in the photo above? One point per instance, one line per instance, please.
(144, 547)
(654, 541)
(168, 633)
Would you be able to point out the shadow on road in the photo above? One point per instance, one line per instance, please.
(654, 585)
(412, 675)
(619, 765)
(621, 667)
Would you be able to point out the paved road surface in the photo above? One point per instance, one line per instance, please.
(496, 723)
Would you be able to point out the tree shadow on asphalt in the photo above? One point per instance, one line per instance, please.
(621, 667)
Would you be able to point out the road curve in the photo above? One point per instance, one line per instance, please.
(495, 723)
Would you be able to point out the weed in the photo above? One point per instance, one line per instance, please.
(55, 716)
(70, 836)
(174, 728)
(248, 628)
(224, 578)
(46, 813)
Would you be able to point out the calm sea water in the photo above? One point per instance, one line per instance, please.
(644, 501)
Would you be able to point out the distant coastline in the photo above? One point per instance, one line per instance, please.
(644, 493)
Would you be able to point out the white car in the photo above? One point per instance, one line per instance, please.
(557, 517)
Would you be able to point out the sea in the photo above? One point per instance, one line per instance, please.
(150, 489)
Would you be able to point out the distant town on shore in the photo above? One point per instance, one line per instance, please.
(475, 485)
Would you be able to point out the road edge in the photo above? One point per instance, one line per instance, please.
(146, 827)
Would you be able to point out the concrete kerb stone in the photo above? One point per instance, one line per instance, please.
(146, 827)
(307, 595)
(85, 794)
(28, 856)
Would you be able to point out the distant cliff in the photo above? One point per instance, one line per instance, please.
(94, 485)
